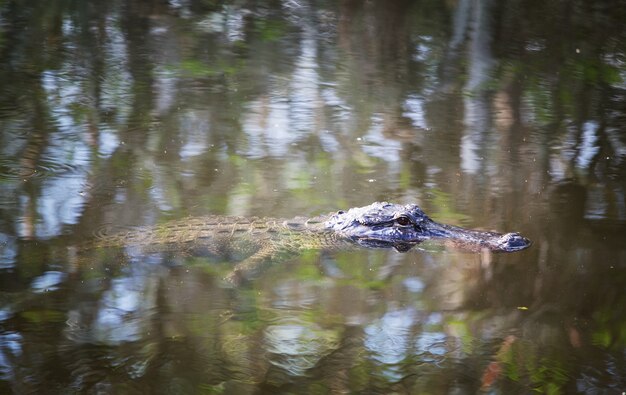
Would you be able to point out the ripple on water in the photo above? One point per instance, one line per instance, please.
(8, 251)
(109, 229)
(31, 165)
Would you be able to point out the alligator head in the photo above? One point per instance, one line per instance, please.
(383, 224)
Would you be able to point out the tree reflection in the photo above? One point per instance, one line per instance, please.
(135, 113)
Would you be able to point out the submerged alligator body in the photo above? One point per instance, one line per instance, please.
(253, 241)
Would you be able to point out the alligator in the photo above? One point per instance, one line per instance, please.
(253, 241)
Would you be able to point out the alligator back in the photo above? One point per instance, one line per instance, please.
(249, 241)
(219, 234)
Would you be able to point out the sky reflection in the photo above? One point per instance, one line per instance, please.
(487, 114)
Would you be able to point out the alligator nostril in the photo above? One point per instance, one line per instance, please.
(515, 240)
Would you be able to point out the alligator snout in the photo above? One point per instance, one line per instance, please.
(511, 242)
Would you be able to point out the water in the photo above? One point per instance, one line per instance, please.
(494, 115)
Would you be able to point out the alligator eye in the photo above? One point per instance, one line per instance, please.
(340, 212)
(403, 221)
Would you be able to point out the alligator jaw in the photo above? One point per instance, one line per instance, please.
(475, 240)
(462, 239)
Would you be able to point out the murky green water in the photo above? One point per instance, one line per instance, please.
(496, 115)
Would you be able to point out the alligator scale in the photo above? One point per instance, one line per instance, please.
(256, 240)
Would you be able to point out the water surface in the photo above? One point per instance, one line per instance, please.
(504, 116)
